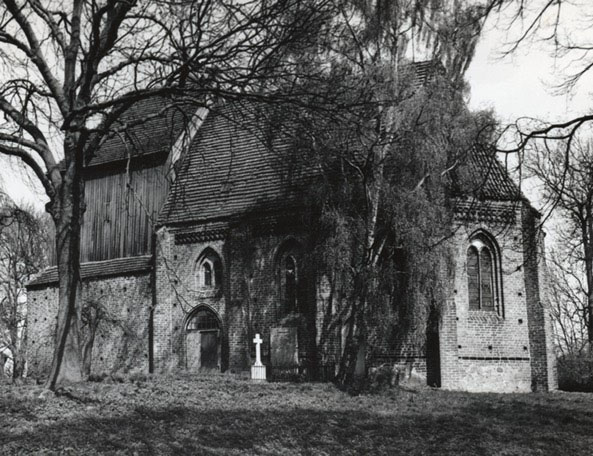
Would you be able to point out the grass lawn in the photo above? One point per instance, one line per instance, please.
(228, 415)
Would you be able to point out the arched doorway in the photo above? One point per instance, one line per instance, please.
(202, 340)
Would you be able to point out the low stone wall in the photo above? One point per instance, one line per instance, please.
(121, 342)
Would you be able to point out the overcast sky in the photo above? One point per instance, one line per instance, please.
(525, 84)
(517, 86)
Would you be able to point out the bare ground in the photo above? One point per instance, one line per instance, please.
(225, 415)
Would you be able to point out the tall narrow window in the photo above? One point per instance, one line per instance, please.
(486, 282)
(288, 267)
(290, 283)
(483, 275)
(207, 274)
(473, 278)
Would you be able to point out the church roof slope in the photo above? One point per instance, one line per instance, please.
(154, 125)
(238, 163)
(481, 175)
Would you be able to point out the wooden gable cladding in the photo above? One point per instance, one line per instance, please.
(123, 201)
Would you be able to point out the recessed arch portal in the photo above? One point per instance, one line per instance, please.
(202, 340)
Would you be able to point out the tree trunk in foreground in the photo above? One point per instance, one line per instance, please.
(587, 233)
(18, 352)
(352, 371)
(67, 211)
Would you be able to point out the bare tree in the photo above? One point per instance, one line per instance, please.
(561, 26)
(71, 70)
(23, 252)
(567, 188)
(367, 50)
(568, 304)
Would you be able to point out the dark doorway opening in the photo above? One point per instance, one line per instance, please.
(433, 356)
(202, 341)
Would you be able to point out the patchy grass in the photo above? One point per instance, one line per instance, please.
(224, 415)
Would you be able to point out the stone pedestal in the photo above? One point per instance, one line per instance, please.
(258, 372)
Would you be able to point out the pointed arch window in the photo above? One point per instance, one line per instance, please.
(289, 276)
(209, 270)
(484, 275)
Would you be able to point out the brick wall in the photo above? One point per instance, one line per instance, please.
(488, 350)
(543, 362)
(496, 351)
(248, 302)
(121, 342)
(178, 295)
(479, 350)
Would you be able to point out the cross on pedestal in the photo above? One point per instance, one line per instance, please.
(258, 341)
(258, 370)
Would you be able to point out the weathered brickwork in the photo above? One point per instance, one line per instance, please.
(121, 343)
(230, 257)
(42, 305)
(543, 362)
(486, 350)
(504, 350)
(247, 302)
(178, 295)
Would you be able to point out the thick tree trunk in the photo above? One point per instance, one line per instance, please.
(348, 359)
(18, 364)
(587, 233)
(18, 353)
(87, 355)
(67, 211)
(352, 371)
(589, 269)
(66, 364)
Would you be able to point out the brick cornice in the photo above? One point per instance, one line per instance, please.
(485, 211)
(200, 236)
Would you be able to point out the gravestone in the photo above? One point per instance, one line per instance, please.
(284, 347)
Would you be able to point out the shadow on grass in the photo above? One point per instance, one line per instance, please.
(477, 427)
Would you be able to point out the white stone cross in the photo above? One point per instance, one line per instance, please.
(257, 341)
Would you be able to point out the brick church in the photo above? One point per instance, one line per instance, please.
(165, 259)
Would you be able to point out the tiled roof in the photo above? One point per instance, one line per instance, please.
(229, 171)
(481, 175)
(161, 122)
(95, 269)
(237, 163)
